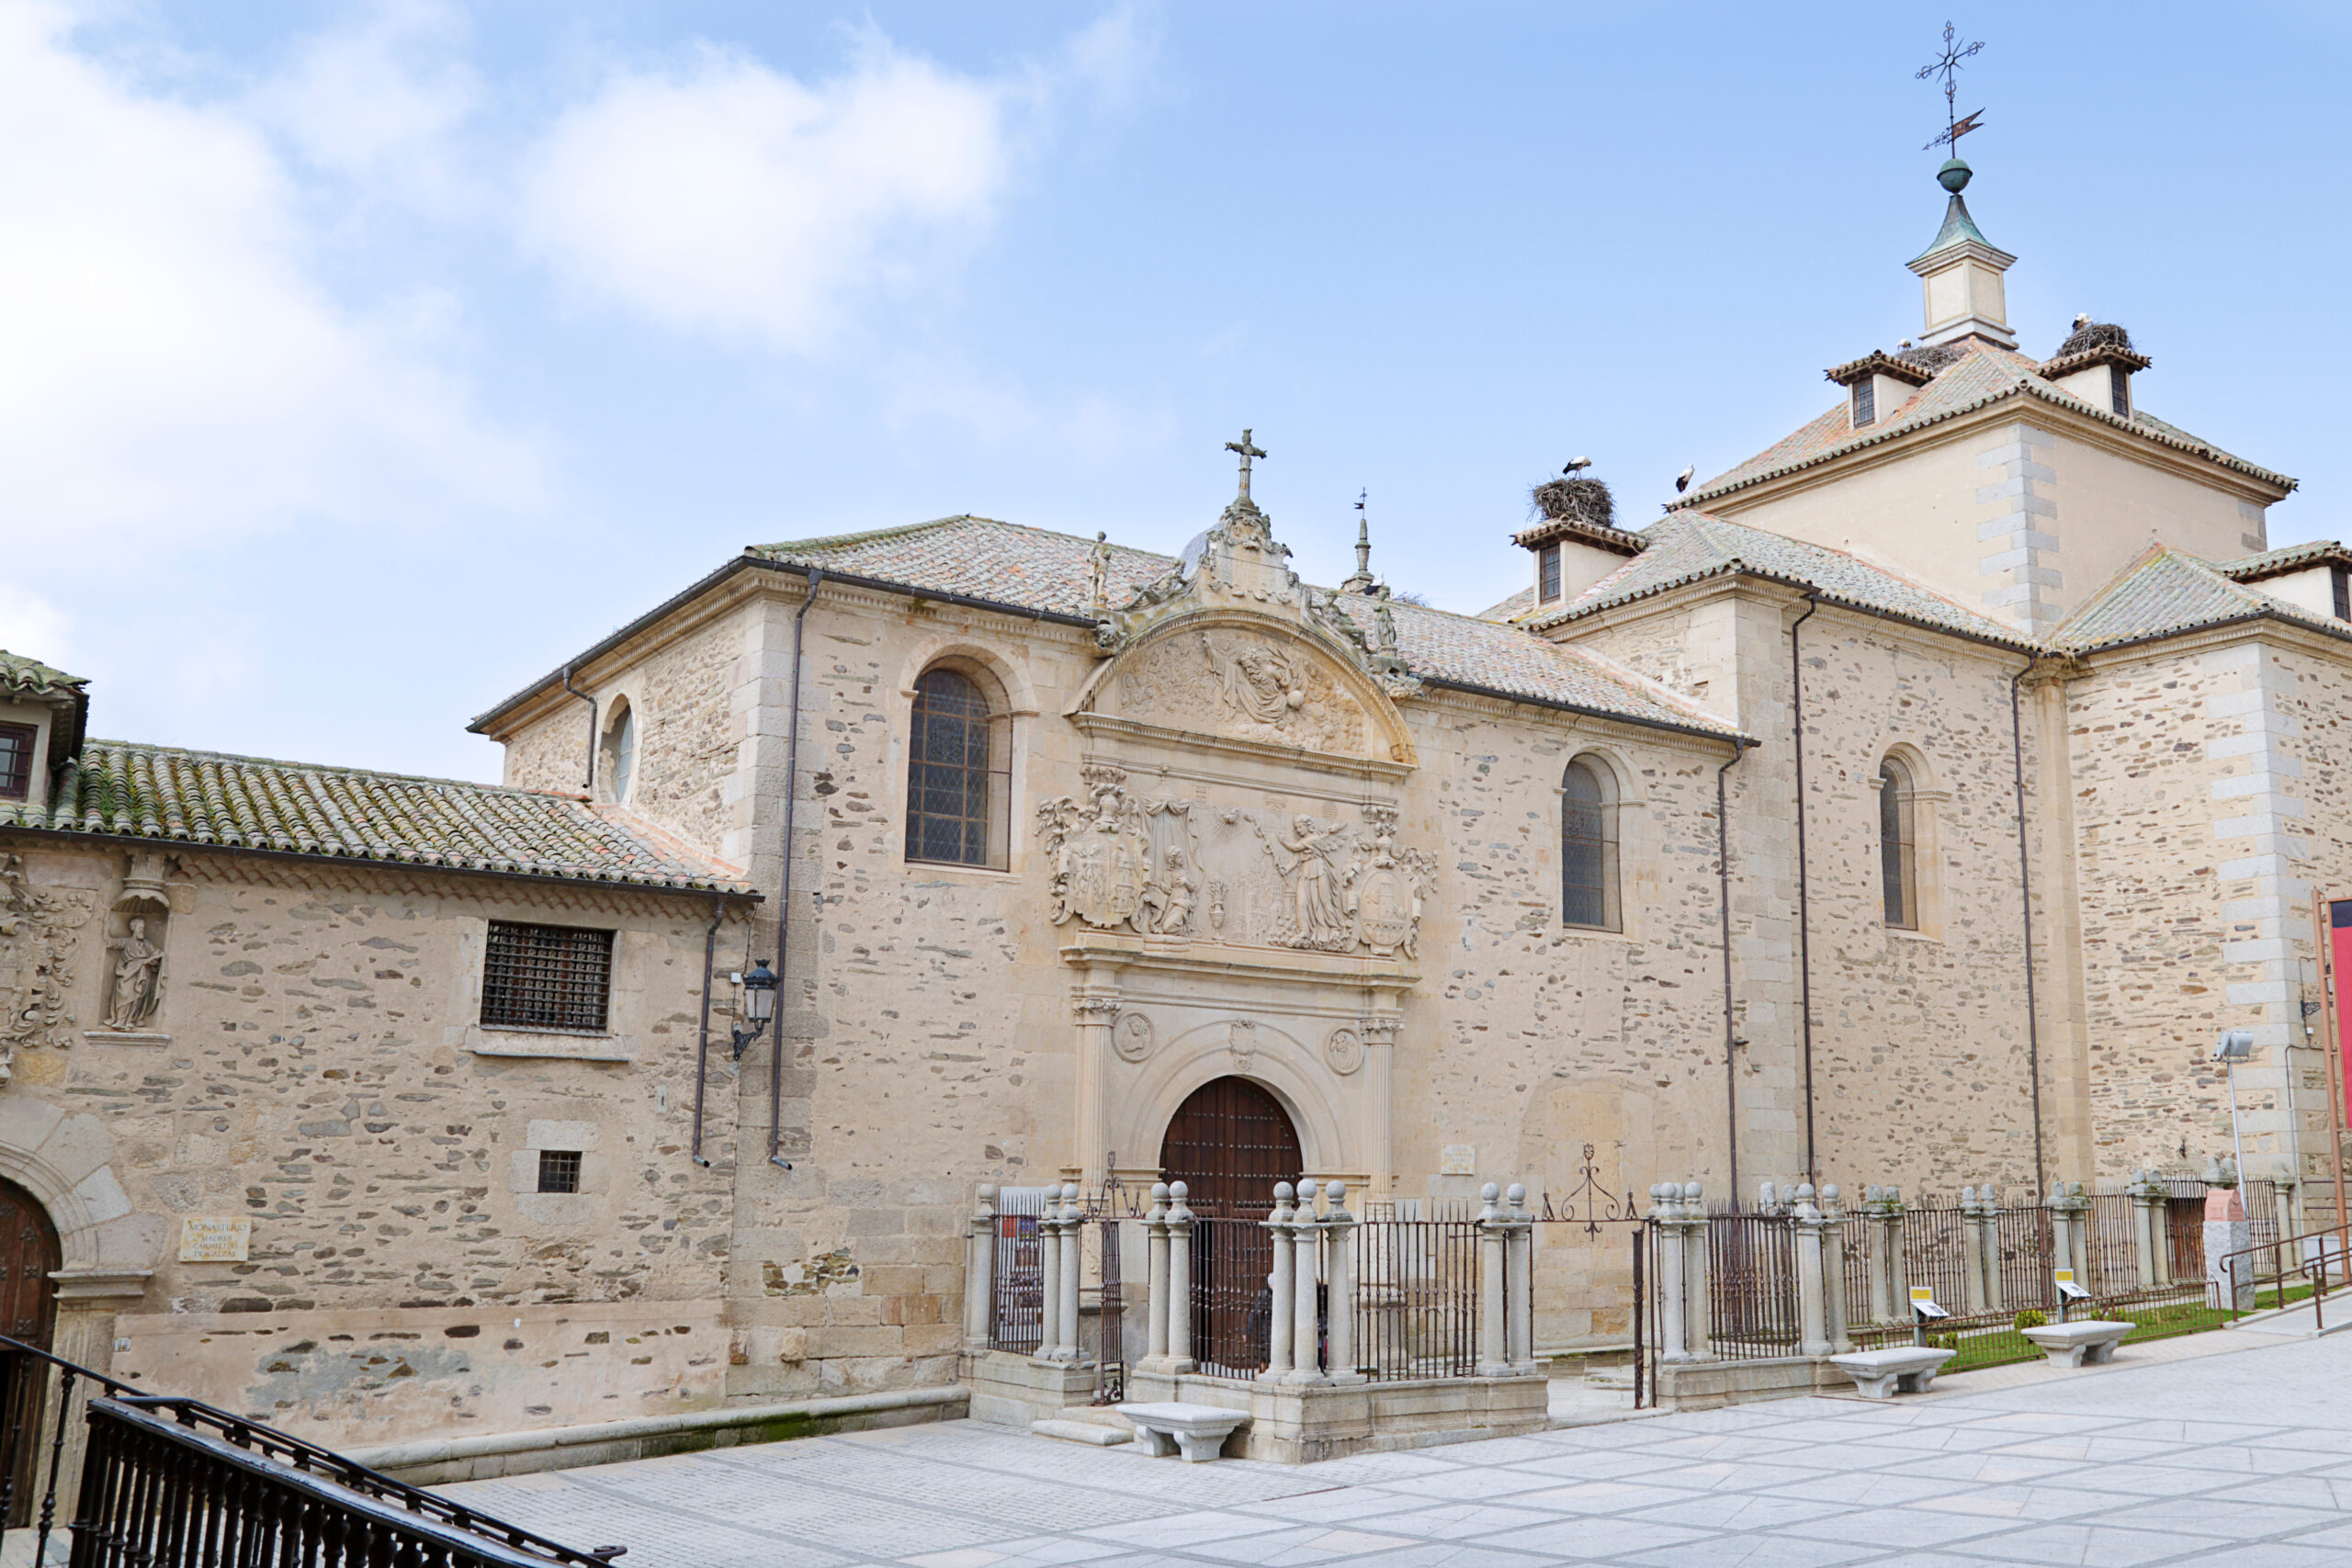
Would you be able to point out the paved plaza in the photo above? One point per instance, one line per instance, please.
(2213, 1455)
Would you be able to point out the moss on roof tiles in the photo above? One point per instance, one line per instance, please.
(29, 677)
(123, 789)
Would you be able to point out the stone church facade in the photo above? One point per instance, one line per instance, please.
(1910, 804)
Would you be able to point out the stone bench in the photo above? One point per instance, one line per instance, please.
(1880, 1374)
(1197, 1431)
(2084, 1344)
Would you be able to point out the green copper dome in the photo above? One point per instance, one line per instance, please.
(1954, 175)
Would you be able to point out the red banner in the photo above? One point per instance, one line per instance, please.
(2339, 955)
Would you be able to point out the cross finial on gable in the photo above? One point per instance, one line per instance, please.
(1247, 452)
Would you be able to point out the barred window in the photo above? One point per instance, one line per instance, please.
(2118, 390)
(1548, 572)
(958, 772)
(16, 760)
(559, 1170)
(1898, 859)
(1865, 401)
(546, 977)
(1588, 845)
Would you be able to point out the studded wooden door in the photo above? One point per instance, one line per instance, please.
(1229, 1143)
(27, 1312)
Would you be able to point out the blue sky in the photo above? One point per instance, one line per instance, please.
(359, 363)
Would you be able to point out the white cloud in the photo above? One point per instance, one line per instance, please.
(33, 627)
(381, 101)
(725, 197)
(174, 373)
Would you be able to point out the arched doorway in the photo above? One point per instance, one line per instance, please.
(1229, 1143)
(29, 1252)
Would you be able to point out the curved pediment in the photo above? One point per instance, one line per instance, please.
(1250, 677)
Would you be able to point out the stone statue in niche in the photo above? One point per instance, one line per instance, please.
(138, 979)
(1309, 858)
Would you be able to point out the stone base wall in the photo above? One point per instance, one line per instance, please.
(1292, 1424)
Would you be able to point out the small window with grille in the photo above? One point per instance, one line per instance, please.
(1548, 569)
(1865, 401)
(559, 1170)
(556, 977)
(2118, 390)
(16, 760)
(2340, 585)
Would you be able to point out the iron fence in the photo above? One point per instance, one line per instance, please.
(2024, 1243)
(1751, 1285)
(1016, 1276)
(1417, 1297)
(1233, 1263)
(1110, 1312)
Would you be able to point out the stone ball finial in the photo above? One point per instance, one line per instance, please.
(1159, 1191)
(1954, 175)
(1336, 1190)
(1178, 1191)
(1284, 1192)
(1690, 1190)
(1515, 1194)
(1489, 1192)
(1829, 1194)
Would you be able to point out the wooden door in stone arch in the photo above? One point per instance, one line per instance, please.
(29, 1252)
(1229, 1143)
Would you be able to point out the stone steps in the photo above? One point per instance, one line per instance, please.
(1098, 1426)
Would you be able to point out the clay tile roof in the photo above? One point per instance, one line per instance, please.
(1600, 534)
(23, 677)
(2293, 558)
(1689, 547)
(1984, 373)
(982, 559)
(1512, 608)
(2166, 591)
(1036, 568)
(122, 789)
(1878, 362)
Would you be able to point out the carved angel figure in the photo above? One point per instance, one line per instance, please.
(138, 979)
(1318, 912)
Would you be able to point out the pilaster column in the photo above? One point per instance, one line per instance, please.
(1096, 1014)
(1155, 1228)
(1833, 1270)
(1812, 1288)
(1665, 1235)
(1519, 1282)
(979, 1271)
(1494, 1350)
(1340, 1274)
(1379, 1074)
(1280, 1322)
(1306, 1247)
(1179, 1281)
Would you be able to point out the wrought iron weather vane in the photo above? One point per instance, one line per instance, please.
(1947, 65)
(1247, 452)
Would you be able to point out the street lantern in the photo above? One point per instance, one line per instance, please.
(759, 1005)
(2236, 1046)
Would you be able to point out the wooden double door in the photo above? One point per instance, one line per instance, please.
(1229, 1143)
(28, 1254)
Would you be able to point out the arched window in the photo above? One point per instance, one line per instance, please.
(1897, 847)
(620, 750)
(1589, 846)
(958, 772)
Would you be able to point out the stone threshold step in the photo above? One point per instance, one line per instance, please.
(1093, 1433)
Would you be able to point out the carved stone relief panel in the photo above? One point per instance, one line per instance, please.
(1226, 681)
(38, 928)
(1158, 865)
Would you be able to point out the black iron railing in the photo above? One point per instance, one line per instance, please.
(1417, 1297)
(170, 1482)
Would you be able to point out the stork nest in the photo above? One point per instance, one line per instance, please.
(2098, 334)
(1574, 501)
(1933, 358)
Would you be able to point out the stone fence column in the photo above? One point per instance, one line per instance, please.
(979, 1271)
(1812, 1288)
(1155, 1230)
(1493, 1348)
(1073, 1228)
(1281, 1320)
(2229, 1283)
(1697, 1306)
(1519, 1308)
(1307, 1317)
(1666, 1231)
(1049, 1277)
(2146, 1196)
(1833, 1270)
(1179, 1280)
(1972, 1252)
(1890, 1280)
(1339, 1285)
(1988, 1206)
(2079, 1201)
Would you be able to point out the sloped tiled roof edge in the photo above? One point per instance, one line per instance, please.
(171, 795)
(2289, 557)
(1736, 567)
(2026, 386)
(2166, 593)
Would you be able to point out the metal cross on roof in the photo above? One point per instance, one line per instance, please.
(1247, 452)
(1947, 65)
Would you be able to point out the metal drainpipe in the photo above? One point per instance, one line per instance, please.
(702, 1042)
(1804, 934)
(1722, 872)
(2025, 886)
(590, 785)
(784, 893)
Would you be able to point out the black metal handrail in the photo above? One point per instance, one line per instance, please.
(270, 1457)
(20, 1400)
(2315, 1270)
